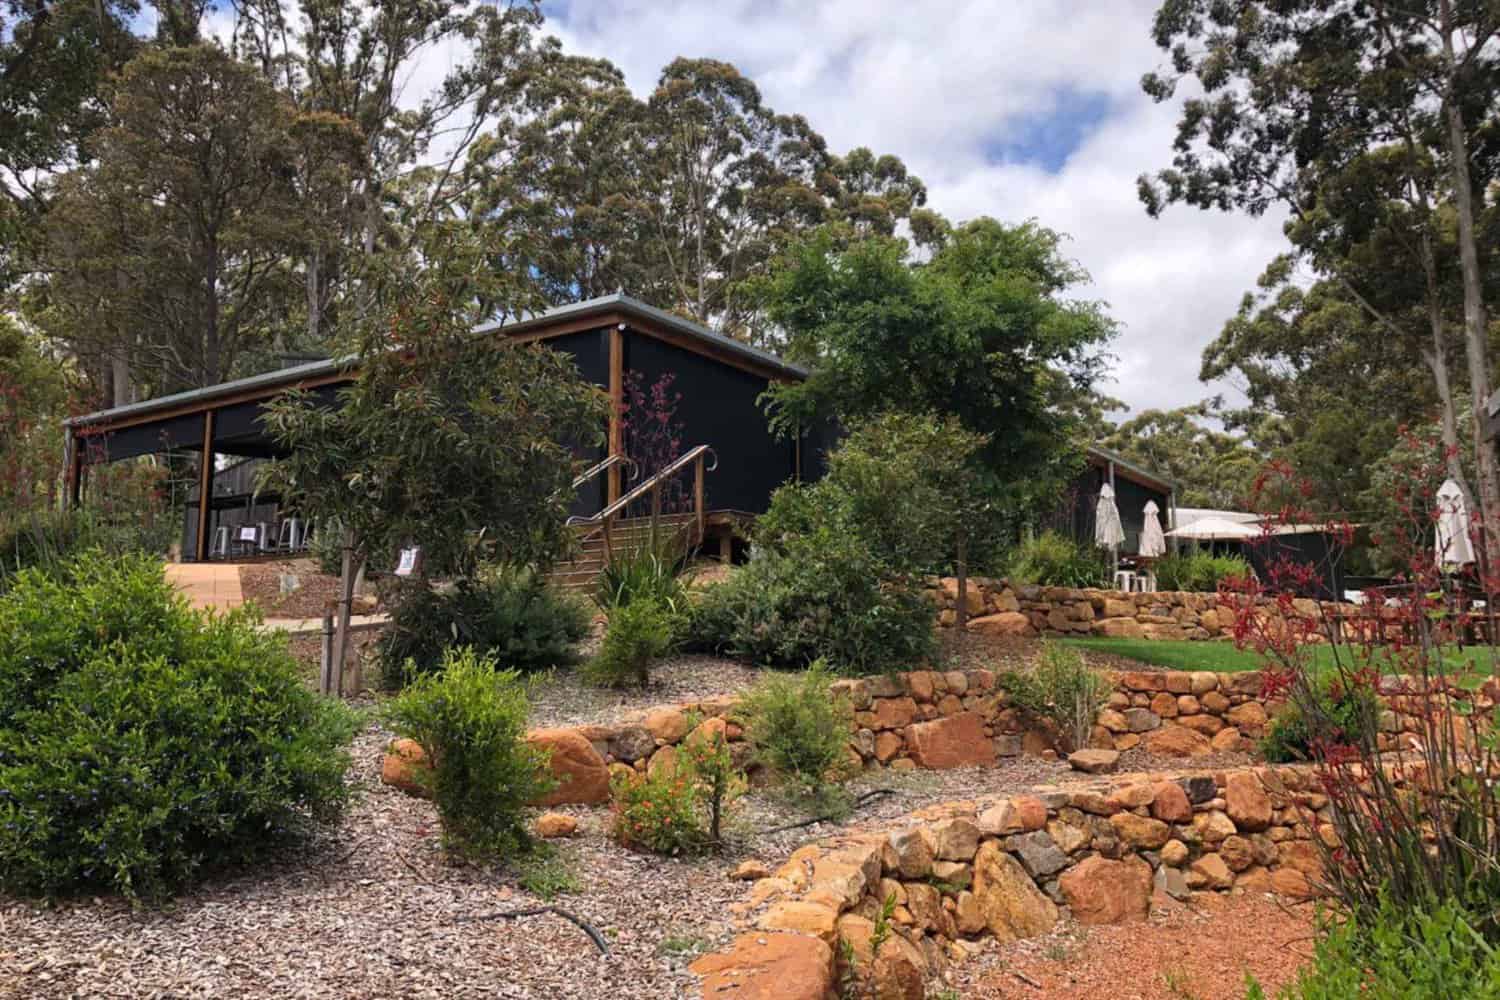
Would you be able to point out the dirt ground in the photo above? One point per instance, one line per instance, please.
(1201, 950)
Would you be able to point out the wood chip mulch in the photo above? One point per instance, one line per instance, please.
(314, 595)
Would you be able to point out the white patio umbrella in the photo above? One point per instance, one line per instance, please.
(1153, 543)
(1215, 529)
(1108, 531)
(1454, 548)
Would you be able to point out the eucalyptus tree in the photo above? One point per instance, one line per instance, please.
(1292, 96)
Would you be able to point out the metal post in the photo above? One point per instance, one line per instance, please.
(698, 498)
(205, 487)
(325, 673)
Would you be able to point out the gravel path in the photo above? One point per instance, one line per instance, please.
(564, 698)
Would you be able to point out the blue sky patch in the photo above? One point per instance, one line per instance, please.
(1046, 138)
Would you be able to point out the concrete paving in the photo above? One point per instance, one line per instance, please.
(207, 585)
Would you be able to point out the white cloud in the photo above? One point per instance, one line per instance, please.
(938, 84)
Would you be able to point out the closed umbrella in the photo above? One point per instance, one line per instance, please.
(1108, 531)
(1454, 548)
(1153, 543)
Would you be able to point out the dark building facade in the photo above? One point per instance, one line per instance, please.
(616, 342)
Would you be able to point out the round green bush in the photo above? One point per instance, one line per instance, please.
(141, 741)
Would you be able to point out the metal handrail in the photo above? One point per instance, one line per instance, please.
(607, 462)
(676, 466)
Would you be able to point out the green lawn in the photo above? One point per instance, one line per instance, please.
(1223, 657)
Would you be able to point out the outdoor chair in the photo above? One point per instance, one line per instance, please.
(289, 537)
(220, 547)
(247, 539)
(264, 543)
(307, 535)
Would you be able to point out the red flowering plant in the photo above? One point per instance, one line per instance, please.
(653, 439)
(1396, 705)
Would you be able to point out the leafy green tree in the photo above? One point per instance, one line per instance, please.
(1297, 97)
(54, 54)
(356, 62)
(1212, 468)
(168, 258)
(33, 401)
(983, 333)
(459, 443)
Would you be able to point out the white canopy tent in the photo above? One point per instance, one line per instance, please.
(1215, 529)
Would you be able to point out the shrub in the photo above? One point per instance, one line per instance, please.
(798, 728)
(637, 633)
(641, 572)
(140, 740)
(1198, 571)
(1349, 712)
(682, 809)
(658, 812)
(1052, 560)
(513, 615)
(1061, 688)
(470, 720)
(823, 598)
(1411, 952)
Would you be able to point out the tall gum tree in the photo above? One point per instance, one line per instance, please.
(1289, 94)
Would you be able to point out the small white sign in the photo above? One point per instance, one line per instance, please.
(249, 533)
(407, 564)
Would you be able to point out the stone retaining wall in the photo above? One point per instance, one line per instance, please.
(997, 607)
(1007, 869)
(939, 720)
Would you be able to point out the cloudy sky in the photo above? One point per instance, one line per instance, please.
(1012, 108)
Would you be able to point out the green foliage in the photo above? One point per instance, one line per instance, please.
(799, 729)
(681, 809)
(635, 634)
(1053, 560)
(820, 596)
(982, 332)
(658, 813)
(641, 572)
(1061, 688)
(1410, 951)
(905, 484)
(1212, 468)
(710, 767)
(141, 741)
(512, 615)
(47, 539)
(1345, 713)
(470, 720)
(545, 873)
(461, 444)
(1198, 571)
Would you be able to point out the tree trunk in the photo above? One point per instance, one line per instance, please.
(352, 566)
(961, 567)
(1476, 322)
(1437, 361)
(119, 378)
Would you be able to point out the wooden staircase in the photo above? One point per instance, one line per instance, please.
(582, 572)
(613, 530)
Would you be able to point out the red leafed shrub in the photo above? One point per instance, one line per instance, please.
(1409, 786)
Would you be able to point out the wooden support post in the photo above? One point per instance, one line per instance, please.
(698, 498)
(726, 547)
(205, 487)
(73, 488)
(616, 408)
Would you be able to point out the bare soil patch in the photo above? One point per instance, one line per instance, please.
(1200, 950)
